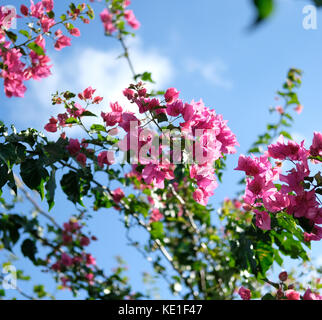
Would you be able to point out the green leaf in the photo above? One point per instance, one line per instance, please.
(11, 35)
(50, 188)
(268, 296)
(71, 120)
(34, 174)
(40, 291)
(97, 127)
(254, 150)
(68, 95)
(286, 135)
(318, 191)
(265, 255)
(264, 9)
(3, 175)
(88, 114)
(157, 230)
(55, 151)
(24, 33)
(29, 249)
(146, 76)
(51, 14)
(71, 186)
(318, 3)
(36, 48)
(161, 117)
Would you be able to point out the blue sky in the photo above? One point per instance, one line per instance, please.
(206, 50)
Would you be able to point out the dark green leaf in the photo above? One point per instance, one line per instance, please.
(29, 249)
(36, 48)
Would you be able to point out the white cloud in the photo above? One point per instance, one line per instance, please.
(102, 70)
(213, 71)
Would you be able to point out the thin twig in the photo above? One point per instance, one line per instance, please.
(34, 203)
(127, 56)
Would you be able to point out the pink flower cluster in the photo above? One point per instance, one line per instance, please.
(285, 292)
(292, 197)
(72, 232)
(14, 71)
(156, 215)
(110, 18)
(118, 195)
(207, 135)
(73, 111)
(215, 139)
(211, 136)
(75, 147)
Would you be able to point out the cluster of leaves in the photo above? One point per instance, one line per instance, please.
(18, 230)
(265, 9)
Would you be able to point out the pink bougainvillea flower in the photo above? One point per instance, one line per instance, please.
(73, 146)
(87, 93)
(291, 150)
(24, 10)
(175, 108)
(298, 108)
(48, 4)
(58, 33)
(251, 166)
(81, 158)
(46, 23)
(71, 226)
(199, 196)
(127, 117)
(52, 125)
(114, 117)
(90, 260)
(152, 173)
(97, 100)
(90, 278)
(263, 220)
(62, 42)
(171, 95)
(105, 157)
(309, 295)
(66, 260)
(244, 293)
(279, 109)
(75, 32)
(131, 19)
(36, 10)
(128, 93)
(316, 147)
(276, 202)
(77, 110)
(292, 295)
(107, 19)
(118, 195)
(156, 215)
(84, 241)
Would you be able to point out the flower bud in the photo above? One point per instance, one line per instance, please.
(283, 276)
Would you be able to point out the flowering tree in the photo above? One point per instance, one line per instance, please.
(167, 159)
